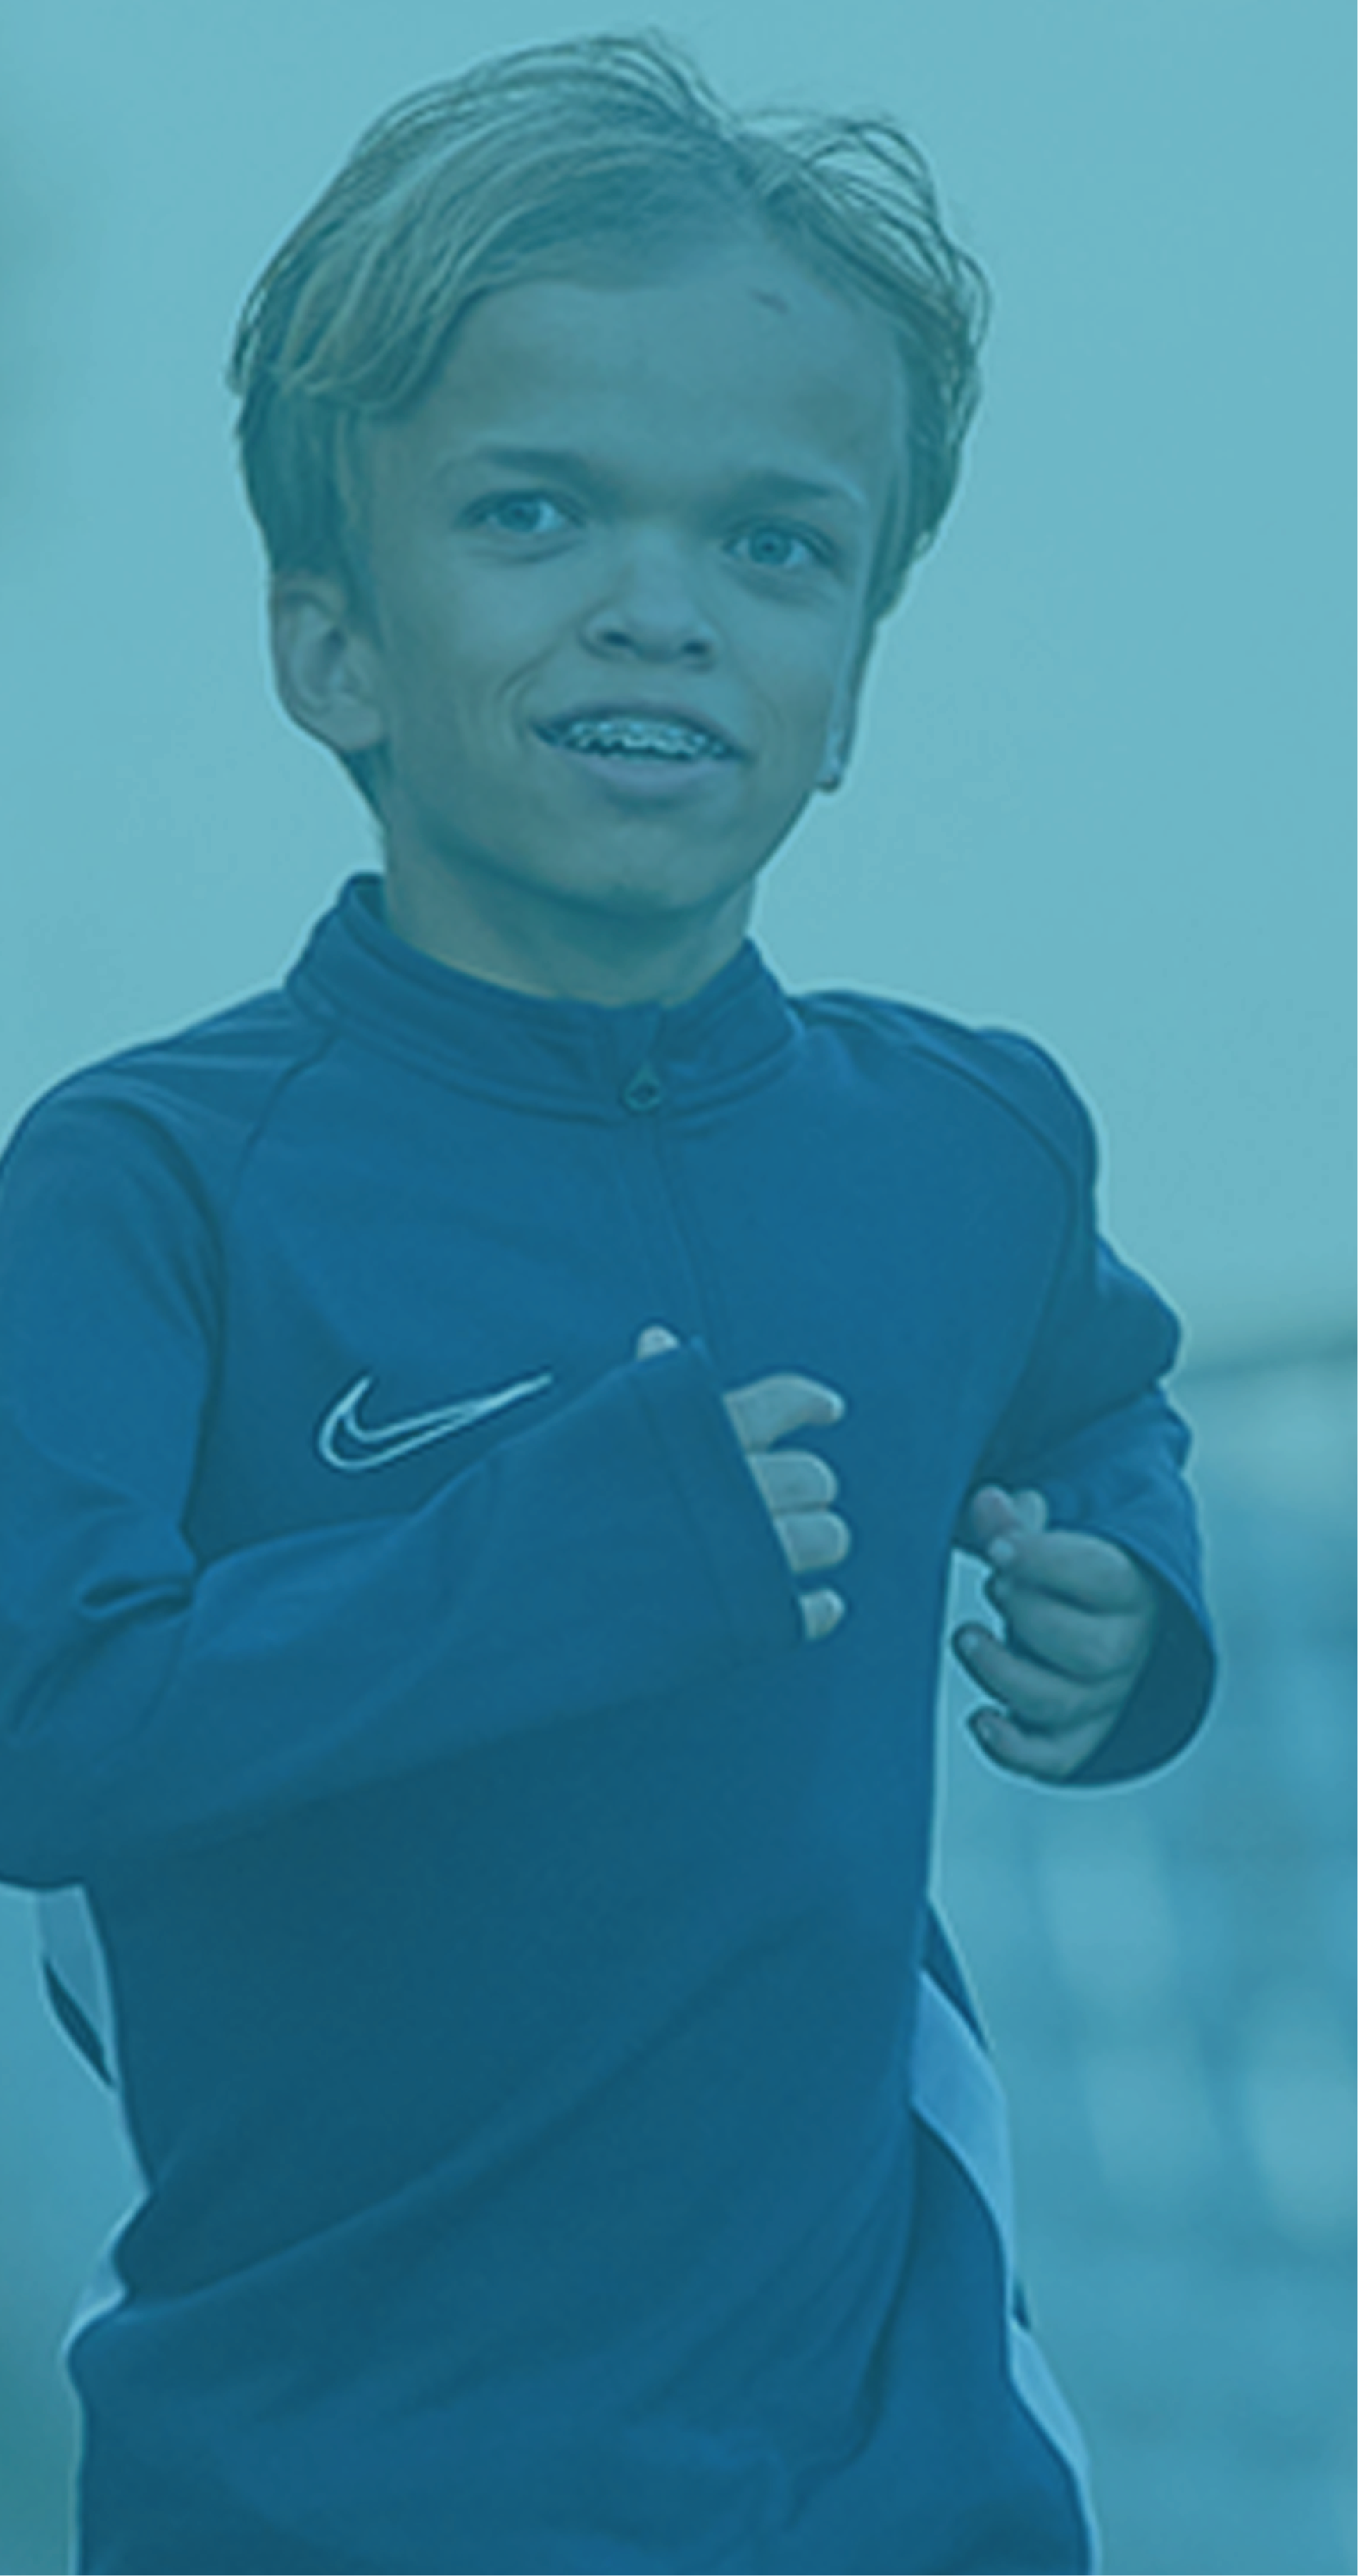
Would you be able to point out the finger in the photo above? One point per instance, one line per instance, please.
(1091, 1646)
(813, 1540)
(821, 1612)
(773, 1406)
(1090, 1572)
(655, 1339)
(1032, 1692)
(994, 1514)
(793, 1480)
(1037, 1757)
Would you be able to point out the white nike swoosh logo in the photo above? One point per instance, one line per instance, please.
(354, 1446)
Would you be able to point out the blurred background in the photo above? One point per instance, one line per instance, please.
(1102, 794)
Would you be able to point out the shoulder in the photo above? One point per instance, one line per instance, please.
(998, 1072)
(186, 1107)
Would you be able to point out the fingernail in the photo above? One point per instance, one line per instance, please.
(1002, 1551)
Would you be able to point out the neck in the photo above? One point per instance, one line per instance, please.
(559, 952)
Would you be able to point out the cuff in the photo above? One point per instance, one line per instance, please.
(733, 1534)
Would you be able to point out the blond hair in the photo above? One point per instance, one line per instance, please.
(600, 152)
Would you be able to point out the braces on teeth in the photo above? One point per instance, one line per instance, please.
(642, 736)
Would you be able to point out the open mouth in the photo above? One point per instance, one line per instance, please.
(638, 738)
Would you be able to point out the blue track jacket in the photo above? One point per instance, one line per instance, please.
(567, 2144)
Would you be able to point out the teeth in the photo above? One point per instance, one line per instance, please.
(654, 737)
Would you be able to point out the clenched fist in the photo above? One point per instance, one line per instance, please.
(1080, 1620)
(799, 1489)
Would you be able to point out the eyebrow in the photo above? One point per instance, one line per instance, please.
(771, 482)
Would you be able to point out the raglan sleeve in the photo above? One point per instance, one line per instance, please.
(1089, 1425)
(616, 1551)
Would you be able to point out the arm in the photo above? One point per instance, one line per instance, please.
(1083, 1625)
(1105, 1663)
(616, 1550)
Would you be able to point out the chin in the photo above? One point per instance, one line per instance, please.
(654, 895)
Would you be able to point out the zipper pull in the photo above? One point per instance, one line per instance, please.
(644, 1092)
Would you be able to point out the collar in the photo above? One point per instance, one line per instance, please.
(573, 1058)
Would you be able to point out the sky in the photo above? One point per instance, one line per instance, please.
(1102, 790)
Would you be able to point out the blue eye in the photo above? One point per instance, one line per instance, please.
(771, 547)
(522, 514)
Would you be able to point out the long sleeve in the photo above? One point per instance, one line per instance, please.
(1090, 1428)
(616, 1549)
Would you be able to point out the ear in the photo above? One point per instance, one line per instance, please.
(326, 666)
(835, 759)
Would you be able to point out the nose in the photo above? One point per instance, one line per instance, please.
(650, 610)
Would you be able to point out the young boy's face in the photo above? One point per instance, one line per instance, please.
(619, 562)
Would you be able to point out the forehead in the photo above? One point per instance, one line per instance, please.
(731, 360)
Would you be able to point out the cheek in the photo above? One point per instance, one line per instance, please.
(444, 679)
(802, 694)
(491, 652)
(436, 621)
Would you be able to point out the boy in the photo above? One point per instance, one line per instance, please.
(486, 1426)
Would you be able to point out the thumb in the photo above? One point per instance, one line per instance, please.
(655, 1339)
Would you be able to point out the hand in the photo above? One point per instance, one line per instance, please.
(797, 1486)
(1080, 1619)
